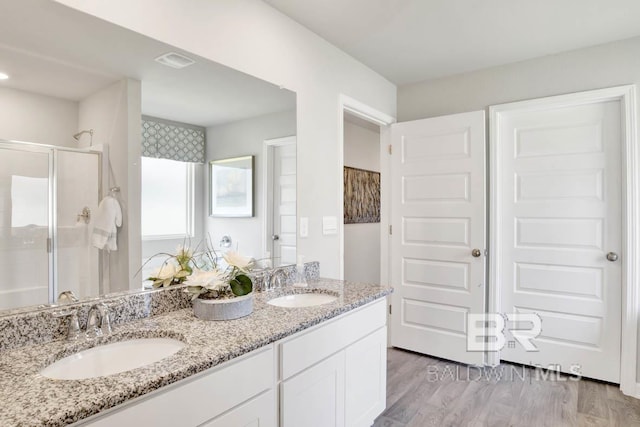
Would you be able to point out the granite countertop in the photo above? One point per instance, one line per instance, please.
(29, 399)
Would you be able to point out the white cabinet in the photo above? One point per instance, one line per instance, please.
(315, 397)
(201, 398)
(258, 412)
(366, 379)
(334, 375)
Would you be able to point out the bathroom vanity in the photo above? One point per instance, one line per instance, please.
(321, 365)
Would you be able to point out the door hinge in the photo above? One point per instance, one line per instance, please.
(390, 229)
(389, 308)
(390, 149)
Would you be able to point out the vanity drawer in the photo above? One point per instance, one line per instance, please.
(318, 343)
(197, 399)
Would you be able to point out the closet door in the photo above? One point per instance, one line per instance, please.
(556, 179)
(438, 236)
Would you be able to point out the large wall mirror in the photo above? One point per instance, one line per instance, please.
(92, 111)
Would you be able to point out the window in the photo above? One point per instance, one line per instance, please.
(167, 198)
(29, 201)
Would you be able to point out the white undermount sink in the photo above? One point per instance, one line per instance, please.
(302, 300)
(112, 358)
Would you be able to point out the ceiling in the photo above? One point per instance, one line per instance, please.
(50, 49)
(408, 41)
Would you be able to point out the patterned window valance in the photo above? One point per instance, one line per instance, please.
(172, 140)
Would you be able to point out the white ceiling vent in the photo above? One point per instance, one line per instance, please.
(175, 60)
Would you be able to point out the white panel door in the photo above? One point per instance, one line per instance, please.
(438, 219)
(281, 219)
(560, 205)
(284, 204)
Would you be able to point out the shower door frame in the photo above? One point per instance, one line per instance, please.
(52, 236)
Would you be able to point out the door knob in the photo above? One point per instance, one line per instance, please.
(275, 237)
(612, 256)
(476, 253)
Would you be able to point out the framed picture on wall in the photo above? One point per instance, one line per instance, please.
(231, 186)
(361, 196)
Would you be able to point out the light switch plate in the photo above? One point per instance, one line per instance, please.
(329, 225)
(304, 226)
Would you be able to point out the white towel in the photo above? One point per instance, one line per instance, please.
(106, 221)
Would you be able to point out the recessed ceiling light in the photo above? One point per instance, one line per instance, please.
(175, 60)
(3, 76)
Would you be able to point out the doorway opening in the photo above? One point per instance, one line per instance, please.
(361, 199)
(364, 131)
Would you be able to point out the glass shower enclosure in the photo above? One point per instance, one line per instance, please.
(47, 197)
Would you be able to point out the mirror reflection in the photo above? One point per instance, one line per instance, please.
(105, 141)
(231, 185)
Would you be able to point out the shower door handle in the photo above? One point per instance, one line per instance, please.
(84, 215)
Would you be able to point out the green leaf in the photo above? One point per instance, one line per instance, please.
(241, 285)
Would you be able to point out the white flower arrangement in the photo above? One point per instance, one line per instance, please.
(174, 270)
(203, 275)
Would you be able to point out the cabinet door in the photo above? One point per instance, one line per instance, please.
(315, 397)
(258, 412)
(366, 379)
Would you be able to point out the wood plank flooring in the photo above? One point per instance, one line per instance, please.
(423, 391)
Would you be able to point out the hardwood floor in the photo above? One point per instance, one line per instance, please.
(423, 391)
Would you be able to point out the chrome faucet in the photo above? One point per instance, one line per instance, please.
(67, 297)
(98, 321)
(277, 279)
(73, 328)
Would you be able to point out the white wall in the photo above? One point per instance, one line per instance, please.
(272, 47)
(115, 115)
(243, 138)
(361, 241)
(37, 118)
(596, 67)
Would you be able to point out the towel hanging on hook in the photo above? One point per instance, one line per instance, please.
(107, 220)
